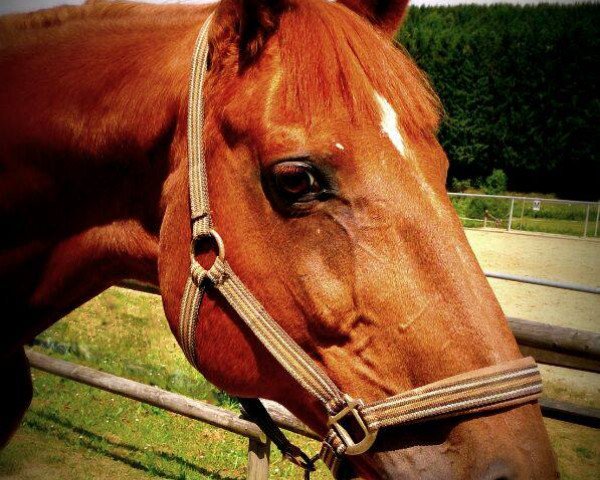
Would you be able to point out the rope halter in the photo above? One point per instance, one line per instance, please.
(511, 383)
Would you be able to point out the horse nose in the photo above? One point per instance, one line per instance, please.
(433, 469)
(500, 469)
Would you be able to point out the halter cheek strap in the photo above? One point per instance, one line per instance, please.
(511, 383)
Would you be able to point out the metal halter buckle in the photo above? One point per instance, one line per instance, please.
(352, 447)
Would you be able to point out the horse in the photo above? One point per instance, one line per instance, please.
(326, 181)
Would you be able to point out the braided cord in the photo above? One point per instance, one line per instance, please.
(198, 182)
(295, 361)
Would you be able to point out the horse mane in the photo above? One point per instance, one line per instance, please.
(14, 27)
(332, 55)
(57, 16)
(90, 10)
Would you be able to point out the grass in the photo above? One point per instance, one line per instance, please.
(124, 333)
(552, 225)
(577, 449)
(34, 455)
(75, 432)
(560, 219)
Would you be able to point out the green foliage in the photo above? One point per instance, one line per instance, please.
(564, 219)
(495, 183)
(222, 399)
(520, 87)
(460, 186)
(475, 208)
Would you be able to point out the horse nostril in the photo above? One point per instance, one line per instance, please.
(496, 476)
(499, 470)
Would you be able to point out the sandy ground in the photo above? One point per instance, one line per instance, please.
(552, 258)
(570, 260)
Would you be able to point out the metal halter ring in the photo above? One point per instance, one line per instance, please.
(352, 447)
(215, 272)
(219, 241)
(212, 233)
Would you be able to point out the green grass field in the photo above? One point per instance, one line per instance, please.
(74, 432)
(560, 219)
(552, 226)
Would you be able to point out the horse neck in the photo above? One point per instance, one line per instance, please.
(90, 110)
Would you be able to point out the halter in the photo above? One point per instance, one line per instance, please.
(499, 386)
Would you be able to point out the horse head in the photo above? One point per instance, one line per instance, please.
(327, 185)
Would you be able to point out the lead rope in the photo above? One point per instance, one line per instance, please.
(499, 386)
(254, 410)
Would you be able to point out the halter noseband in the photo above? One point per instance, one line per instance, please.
(510, 383)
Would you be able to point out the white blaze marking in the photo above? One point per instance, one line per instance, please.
(339, 145)
(389, 124)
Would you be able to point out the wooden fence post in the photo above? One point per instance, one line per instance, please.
(259, 454)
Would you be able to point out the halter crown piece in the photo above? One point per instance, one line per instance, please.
(511, 383)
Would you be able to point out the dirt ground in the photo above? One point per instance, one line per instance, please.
(553, 258)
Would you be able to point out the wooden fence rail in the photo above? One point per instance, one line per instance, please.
(561, 346)
(258, 445)
(551, 344)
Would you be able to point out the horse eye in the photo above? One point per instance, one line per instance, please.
(294, 179)
(294, 182)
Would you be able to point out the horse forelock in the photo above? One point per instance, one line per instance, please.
(332, 58)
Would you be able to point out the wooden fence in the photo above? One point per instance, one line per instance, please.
(551, 344)
(258, 445)
(561, 346)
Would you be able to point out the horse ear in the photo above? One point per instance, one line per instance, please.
(387, 15)
(247, 25)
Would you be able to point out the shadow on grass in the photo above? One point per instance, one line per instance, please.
(103, 445)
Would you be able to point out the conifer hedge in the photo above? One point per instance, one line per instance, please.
(520, 88)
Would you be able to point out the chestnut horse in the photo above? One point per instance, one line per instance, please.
(327, 184)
